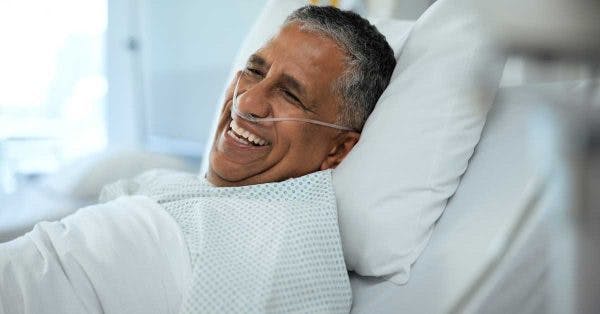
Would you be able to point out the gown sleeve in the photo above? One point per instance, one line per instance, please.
(124, 256)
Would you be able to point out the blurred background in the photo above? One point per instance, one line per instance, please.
(95, 90)
(92, 91)
(86, 77)
(83, 77)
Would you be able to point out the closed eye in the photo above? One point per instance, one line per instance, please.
(255, 72)
(291, 96)
(294, 99)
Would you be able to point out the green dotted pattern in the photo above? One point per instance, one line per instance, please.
(268, 248)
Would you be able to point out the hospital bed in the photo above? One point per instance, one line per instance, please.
(74, 186)
(504, 242)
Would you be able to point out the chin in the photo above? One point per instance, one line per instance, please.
(223, 173)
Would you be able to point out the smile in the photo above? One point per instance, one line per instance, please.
(244, 136)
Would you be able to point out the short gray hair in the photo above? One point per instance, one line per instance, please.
(370, 59)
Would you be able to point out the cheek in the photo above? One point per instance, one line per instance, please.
(306, 144)
(296, 134)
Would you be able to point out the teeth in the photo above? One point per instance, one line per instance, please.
(236, 138)
(246, 134)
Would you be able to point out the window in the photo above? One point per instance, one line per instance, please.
(52, 83)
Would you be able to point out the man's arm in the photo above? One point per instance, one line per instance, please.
(125, 256)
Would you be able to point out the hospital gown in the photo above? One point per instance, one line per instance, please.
(169, 242)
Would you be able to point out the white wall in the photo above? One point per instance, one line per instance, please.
(522, 70)
(162, 94)
(401, 9)
(187, 48)
(124, 121)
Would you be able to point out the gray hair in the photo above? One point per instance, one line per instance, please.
(370, 59)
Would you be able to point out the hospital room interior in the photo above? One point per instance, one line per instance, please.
(486, 140)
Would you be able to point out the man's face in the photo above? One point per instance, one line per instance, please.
(291, 76)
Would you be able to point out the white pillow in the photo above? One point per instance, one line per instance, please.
(84, 178)
(394, 185)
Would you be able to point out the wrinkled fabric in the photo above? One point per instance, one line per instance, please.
(168, 242)
(124, 256)
(271, 248)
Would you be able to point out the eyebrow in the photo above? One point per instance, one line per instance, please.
(257, 60)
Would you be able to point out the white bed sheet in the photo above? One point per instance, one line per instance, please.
(21, 210)
(488, 252)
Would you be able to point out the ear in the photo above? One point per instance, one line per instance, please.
(342, 145)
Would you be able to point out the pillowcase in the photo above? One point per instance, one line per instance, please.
(394, 184)
(83, 179)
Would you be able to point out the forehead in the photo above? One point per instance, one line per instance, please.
(313, 59)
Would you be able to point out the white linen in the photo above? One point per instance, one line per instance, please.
(492, 251)
(74, 186)
(268, 248)
(84, 178)
(125, 256)
(417, 142)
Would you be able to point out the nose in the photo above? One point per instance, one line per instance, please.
(253, 99)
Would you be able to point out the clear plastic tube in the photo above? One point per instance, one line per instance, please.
(248, 117)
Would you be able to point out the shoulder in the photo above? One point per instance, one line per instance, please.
(150, 183)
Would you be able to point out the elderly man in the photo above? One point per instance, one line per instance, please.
(324, 64)
(259, 233)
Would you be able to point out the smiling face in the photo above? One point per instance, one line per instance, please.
(291, 76)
